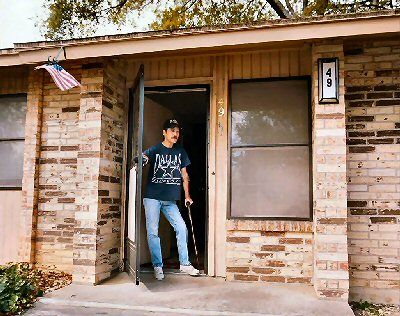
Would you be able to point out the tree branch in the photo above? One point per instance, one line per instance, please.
(305, 4)
(279, 9)
(290, 8)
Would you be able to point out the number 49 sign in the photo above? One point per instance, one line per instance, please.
(328, 80)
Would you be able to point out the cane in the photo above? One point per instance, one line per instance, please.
(194, 239)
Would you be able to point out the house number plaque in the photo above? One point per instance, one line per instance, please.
(328, 80)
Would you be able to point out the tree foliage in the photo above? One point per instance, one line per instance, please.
(77, 18)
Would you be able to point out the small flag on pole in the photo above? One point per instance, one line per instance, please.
(62, 78)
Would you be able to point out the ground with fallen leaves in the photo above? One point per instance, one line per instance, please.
(368, 309)
(51, 279)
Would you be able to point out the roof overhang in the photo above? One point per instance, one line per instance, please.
(153, 42)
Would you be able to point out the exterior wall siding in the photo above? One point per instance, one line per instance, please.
(97, 230)
(331, 276)
(72, 189)
(373, 141)
(269, 251)
(273, 63)
(110, 175)
(58, 180)
(12, 81)
(30, 180)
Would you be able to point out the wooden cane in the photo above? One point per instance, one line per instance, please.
(194, 239)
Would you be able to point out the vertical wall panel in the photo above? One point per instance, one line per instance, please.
(237, 67)
(256, 65)
(275, 63)
(180, 68)
(13, 80)
(171, 66)
(272, 63)
(284, 64)
(246, 65)
(189, 67)
(294, 63)
(305, 61)
(153, 71)
(163, 69)
(206, 67)
(10, 212)
(265, 64)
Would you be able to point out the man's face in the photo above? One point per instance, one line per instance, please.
(171, 134)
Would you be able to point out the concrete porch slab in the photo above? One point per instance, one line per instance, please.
(180, 295)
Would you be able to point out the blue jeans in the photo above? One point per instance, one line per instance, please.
(171, 211)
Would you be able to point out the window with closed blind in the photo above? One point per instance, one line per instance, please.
(270, 149)
(12, 138)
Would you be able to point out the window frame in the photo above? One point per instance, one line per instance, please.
(310, 149)
(17, 139)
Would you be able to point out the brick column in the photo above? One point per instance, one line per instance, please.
(26, 251)
(110, 179)
(97, 219)
(85, 233)
(331, 277)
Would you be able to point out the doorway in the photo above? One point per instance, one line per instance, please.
(190, 106)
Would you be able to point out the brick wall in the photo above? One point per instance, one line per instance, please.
(110, 176)
(72, 171)
(269, 251)
(84, 244)
(317, 251)
(97, 231)
(58, 181)
(331, 276)
(30, 180)
(373, 141)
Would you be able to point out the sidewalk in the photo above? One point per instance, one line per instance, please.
(183, 295)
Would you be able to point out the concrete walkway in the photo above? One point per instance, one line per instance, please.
(184, 295)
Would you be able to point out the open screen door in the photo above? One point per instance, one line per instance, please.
(134, 177)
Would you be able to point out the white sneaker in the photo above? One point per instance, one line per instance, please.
(189, 270)
(158, 273)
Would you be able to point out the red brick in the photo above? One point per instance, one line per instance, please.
(391, 220)
(290, 240)
(240, 240)
(272, 234)
(69, 148)
(238, 269)
(298, 280)
(246, 277)
(275, 263)
(273, 248)
(263, 255)
(272, 278)
(263, 270)
(333, 221)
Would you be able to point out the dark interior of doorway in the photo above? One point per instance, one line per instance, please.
(189, 105)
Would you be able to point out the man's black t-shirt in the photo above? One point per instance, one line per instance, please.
(165, 177)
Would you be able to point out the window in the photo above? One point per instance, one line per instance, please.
(270, 149)
(12, 134)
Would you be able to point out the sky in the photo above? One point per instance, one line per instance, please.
(18, 17)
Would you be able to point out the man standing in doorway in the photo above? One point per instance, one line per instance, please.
(168, 162)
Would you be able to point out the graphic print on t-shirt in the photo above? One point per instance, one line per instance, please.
(167, 169)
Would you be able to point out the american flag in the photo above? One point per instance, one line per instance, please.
(62, 78)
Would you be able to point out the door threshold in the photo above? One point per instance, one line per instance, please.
(169, 271)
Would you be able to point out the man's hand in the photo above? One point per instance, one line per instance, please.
(188, 200)
(145, 159)
(185, 177)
